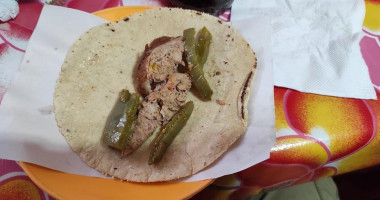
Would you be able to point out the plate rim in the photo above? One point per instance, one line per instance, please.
(29, 168)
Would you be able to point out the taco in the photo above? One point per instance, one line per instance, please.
(105, 60)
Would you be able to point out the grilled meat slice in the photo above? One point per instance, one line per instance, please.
(160, 59)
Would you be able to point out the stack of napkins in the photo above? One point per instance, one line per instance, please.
(315, 44)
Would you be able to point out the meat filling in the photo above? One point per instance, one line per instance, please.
(160, 59)
(172, 95)
(164, 88)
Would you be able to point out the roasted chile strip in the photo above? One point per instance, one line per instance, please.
(163, 140)
(195, 70)
(115, 123)
(132, 107)
(203, 45)
(119, 124)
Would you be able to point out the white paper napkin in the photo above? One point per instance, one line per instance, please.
(315, 44)
(28, 130)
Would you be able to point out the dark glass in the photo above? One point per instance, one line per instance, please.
(214, 7)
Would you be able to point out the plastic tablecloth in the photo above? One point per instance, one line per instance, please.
(317, 136)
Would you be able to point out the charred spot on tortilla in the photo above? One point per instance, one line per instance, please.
(220, 102)
(243, 96)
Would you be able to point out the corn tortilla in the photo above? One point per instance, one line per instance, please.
(104, 60)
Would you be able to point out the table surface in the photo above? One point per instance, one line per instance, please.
(317, 136)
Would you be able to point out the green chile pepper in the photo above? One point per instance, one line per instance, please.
(118, 128)
(195, 69)
(169, 132)
(203, 45)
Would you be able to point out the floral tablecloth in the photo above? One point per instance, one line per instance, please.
(317, 136)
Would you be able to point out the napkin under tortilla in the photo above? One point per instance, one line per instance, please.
(29, 132)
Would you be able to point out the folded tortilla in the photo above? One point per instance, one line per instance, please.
(104, 60)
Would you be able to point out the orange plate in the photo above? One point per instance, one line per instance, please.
(69, 186)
